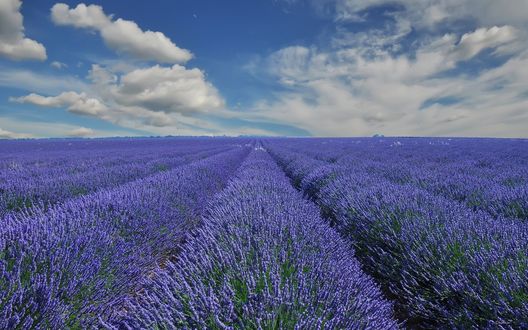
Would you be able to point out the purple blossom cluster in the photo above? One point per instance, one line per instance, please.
(444, 263)
(263, 259)
(63, 266)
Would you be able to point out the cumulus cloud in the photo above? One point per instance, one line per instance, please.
(125, 93)
(157, 89)
(80, 132)
(121, 35)
(167, 89)
(155, 96)
(13, 43)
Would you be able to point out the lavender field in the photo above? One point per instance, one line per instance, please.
(276, 233)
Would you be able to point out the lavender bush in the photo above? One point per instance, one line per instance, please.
(264, 259)
(35, 179)
(63, 266)
(443, 263)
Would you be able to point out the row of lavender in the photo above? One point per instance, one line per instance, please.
(44, 177)
(443, 263)
(32, 160)
(484, 174)
(263, 259)
(62, 266)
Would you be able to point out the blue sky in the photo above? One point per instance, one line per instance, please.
(270, 67)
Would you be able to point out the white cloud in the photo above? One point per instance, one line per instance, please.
(5, 134)
(153, 97)
(346, 91)
(58, 65)
(78, 103)
(40, 129)
(82, 16)
(121, 35)
(155, 93)
(374, 42)
(167, 89)
(100, 76)
(297, 64)
(428, 13)
(24, 49)
(38, 82)
(473, 43)
(81, 132)
(13, 42)
(363, 84)
(399, 78)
